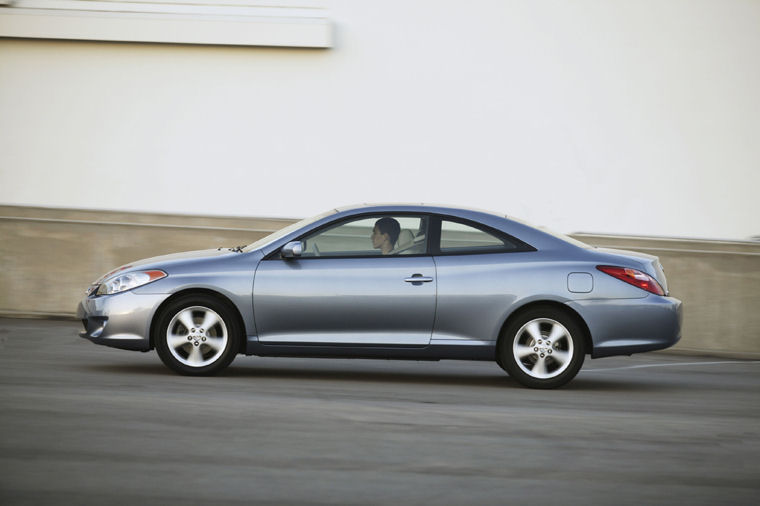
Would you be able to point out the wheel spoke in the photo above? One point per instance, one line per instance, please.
(215, 343)
(209, 320)
(562, 357)
(186, 317)
(195, 356)
(176, 341)
(557, 333)
(539, 369)
(523, 351)
(534, 330)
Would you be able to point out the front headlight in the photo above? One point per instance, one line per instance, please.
(128, 281)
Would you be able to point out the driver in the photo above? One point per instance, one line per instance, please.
(385, 234)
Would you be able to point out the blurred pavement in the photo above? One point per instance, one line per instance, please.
(83, 424)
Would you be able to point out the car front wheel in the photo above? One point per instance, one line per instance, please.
(197, 335)
(542, 348)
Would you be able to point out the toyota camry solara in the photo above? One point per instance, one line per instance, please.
(393, 282)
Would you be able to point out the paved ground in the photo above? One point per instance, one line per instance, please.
(83, 424)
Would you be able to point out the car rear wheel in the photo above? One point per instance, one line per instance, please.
(542, 348)
(197, 335)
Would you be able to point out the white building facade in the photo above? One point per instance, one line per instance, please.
(610, 117)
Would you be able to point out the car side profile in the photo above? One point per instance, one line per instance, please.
(392, 282)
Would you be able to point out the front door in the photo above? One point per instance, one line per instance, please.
(357, 283)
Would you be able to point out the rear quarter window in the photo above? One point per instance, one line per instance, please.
(459, 237)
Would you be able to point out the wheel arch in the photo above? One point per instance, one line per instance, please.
(570, 312)
(199, 291)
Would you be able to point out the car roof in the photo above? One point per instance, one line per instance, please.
(513, 226)
(517, 228)
(413, 206)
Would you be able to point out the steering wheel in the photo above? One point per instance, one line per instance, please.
(316, 250)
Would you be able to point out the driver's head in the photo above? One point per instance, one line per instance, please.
(385, 234)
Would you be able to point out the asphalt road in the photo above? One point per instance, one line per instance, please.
(84, 424)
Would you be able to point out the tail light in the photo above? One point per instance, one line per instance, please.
(633, 277)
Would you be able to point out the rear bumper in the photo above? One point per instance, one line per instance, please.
(120, 321)
(628, 326)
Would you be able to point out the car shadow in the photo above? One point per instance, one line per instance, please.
(497, 379)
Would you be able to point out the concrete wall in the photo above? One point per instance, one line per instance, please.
(49, 256)
(719, 284)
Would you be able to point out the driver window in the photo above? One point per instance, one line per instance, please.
(377, 235)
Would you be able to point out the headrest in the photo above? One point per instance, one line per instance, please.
(405, 238)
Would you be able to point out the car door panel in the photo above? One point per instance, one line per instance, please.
(352, 301)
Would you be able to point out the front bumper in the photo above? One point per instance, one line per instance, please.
(628, 326)
(121, 320)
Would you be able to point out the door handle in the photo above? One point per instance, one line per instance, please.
(418, 278)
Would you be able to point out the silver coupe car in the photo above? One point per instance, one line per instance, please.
(392, 282)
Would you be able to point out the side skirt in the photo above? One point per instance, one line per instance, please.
(398, 352)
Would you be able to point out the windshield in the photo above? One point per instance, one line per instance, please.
(285, 231)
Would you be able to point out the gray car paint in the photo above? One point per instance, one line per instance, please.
(342, 307)
(345, 300)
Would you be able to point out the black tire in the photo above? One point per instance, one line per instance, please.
(527, 353)
(197, 351)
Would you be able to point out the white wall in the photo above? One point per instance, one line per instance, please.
(638, 117)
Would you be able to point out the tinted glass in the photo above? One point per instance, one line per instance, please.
(370, 236)
(460, 238)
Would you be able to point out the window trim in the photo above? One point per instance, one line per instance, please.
(435, 247)
(276, 254)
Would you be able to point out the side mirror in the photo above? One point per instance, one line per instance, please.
(292, 249)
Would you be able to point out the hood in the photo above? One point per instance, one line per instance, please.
(165, 262)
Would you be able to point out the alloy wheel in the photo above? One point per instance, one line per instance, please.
(543, 348)
(196, 336)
